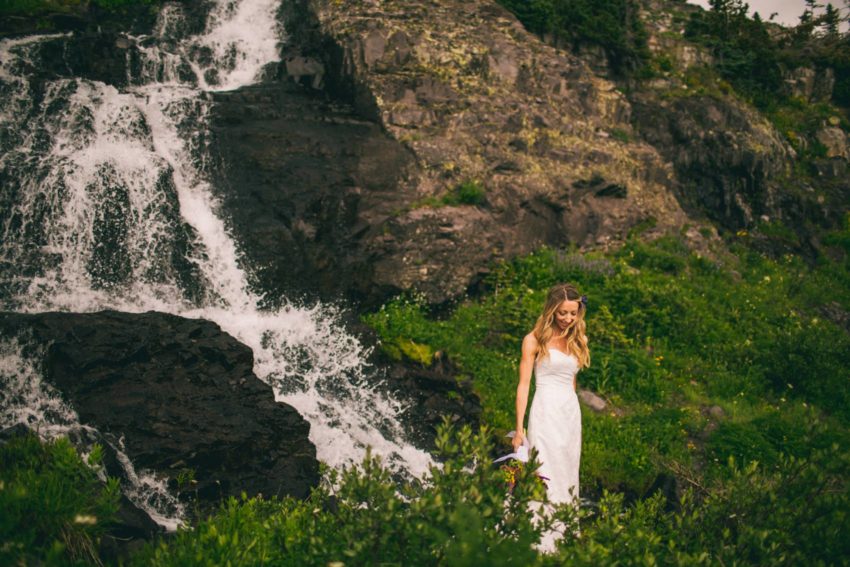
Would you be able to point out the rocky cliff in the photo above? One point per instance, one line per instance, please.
(483, 143)
(407, 145)
(732, 165)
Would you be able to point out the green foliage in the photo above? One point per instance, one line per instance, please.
(745, 54)
(405, 348)
(753, 59)
(460, 514)
(794, 512)
(469, 192)
(54, 508)
(799, 121)
(614, 25)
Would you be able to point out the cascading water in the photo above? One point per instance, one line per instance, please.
(105, 203)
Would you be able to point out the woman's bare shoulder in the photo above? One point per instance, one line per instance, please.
(529, 341)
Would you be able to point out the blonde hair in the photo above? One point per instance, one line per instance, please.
(575, 334)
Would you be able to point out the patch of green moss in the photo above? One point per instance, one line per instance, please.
(419, 353)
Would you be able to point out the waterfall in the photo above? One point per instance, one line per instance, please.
(106, 202)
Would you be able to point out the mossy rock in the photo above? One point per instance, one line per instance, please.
(400, 348)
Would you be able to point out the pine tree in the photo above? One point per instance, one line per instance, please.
(830, 21)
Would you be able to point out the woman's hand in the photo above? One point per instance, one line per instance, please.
(517, 440)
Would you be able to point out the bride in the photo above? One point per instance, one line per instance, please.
(556, 349)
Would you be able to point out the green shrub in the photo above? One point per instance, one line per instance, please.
(461, 514)
(469, 192)
(793, 513)
(54, 508)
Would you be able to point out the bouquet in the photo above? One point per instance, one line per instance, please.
(515, 467)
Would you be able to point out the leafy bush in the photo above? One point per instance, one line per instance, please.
(795, 514)
(469, 192)
(461, 514)
(54, 507)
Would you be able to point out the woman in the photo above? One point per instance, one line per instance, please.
(556, 349)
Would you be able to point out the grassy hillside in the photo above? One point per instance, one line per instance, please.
(700, 360)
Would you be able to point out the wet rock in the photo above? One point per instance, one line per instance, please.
(299, 67)
(128, 532)
(180, 393)
(295, 170)
(432, 392)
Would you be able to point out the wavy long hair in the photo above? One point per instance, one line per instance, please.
(576, 337)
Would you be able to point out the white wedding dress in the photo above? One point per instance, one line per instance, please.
(554, 425)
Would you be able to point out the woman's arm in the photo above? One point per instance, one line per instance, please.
(575, 376)
(526, 365)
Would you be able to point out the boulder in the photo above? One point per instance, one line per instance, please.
(809, 84)
(178, 395)
(592, 400)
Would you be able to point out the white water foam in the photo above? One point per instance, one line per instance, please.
(128, 155)
(241, 42)
(26, 400)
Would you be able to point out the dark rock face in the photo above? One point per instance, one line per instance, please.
(181, 393)
(82, 17)
(296, 171)
(727, 157)
(731, 164)
(128, 533)
(435, 391)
